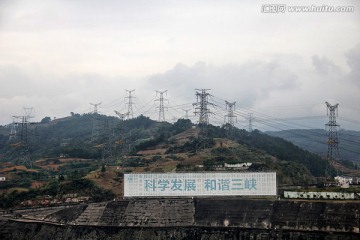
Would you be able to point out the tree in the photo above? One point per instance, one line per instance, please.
(181, 125)
(46, 120)
(61, 178)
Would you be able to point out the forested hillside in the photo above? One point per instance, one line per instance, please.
(315, 140)
(141, 144)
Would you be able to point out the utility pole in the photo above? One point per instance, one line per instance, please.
(161, 104)
(130, 103)
(96, 124)
(201, 109)
(230, 117)
(332, 132)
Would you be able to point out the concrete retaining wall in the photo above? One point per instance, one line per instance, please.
(180, 218)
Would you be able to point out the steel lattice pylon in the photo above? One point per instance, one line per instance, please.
(332, 129)
(120, 143)
(23, 146)
(203, 111)
(130, 103)
(161, 105)
(95, 132)
(202, 103)
(230, 117)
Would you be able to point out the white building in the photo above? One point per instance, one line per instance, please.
(238, 165)
(343, 181)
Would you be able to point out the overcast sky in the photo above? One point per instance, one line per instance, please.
(58, 56)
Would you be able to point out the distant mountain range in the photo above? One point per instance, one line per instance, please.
(315, 140)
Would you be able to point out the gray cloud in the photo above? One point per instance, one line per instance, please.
(247, 83)
(353, 61)
(325, 66)
(56, 95)
(57, 56)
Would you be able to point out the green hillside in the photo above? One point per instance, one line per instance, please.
(101, 148)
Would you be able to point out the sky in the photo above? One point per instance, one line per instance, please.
(58, 56)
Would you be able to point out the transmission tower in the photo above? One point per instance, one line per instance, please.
(96, 122)
(251, 119)
(161, 104)
(28, 112)
(23, 146)
(201, 109)
(95, 105)
(107, 141)
(186, 116)
(24, 153)
(230, 117)
(122, 116)
(120, 143)
(332, 129)
(130, 103)
(121, 126)
(14, 126)
(202, 102)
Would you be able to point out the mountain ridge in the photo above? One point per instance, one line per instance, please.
(315, 140)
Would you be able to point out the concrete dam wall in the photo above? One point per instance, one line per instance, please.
(187, 218)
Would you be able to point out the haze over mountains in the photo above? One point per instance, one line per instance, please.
(315, 140)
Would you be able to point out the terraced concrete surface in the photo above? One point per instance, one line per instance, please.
(188, 218)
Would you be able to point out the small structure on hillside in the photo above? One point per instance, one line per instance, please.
(245, 165)
(344, 181)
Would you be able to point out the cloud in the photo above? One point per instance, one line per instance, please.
(353, 61)
(325, 66)
(248, 83)
(57, 95)
(285, 86)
